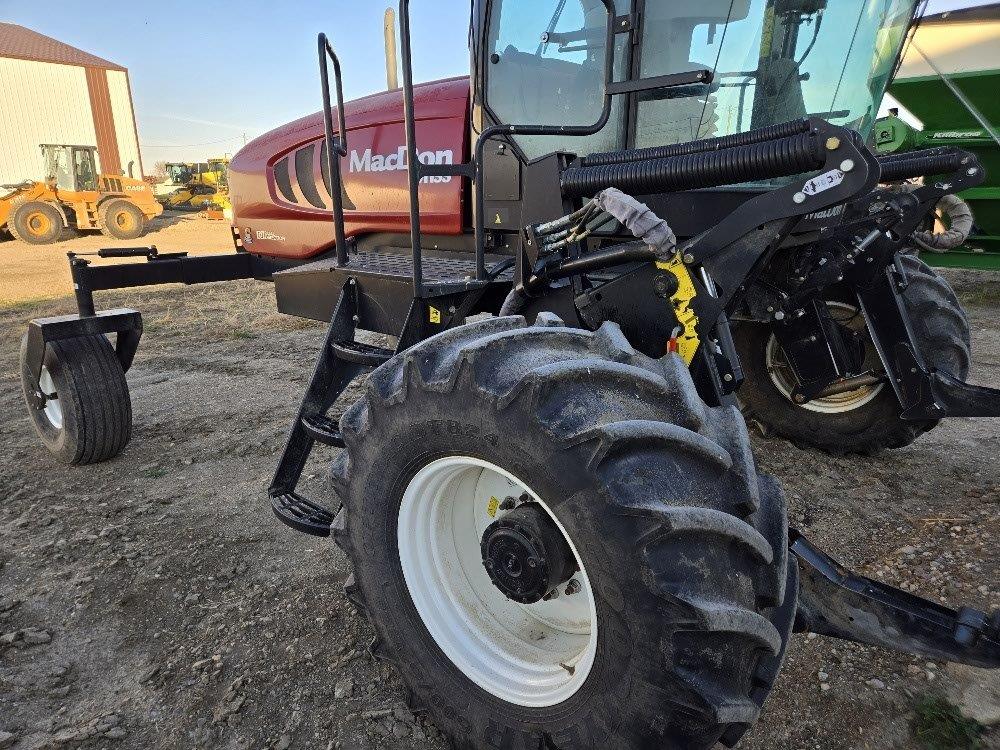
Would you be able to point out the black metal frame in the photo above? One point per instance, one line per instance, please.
(837, 603)
(867, 243)
(159, 268)
(474, 171)
(126, 324)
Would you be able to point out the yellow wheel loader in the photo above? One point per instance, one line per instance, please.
(73, 195)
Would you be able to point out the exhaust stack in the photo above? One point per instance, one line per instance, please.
(391, 57)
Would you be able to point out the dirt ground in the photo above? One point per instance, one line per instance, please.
(29, 273)
(154, 602)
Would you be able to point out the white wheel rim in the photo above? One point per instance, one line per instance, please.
(784, 380)
(534, 655)
(53, 409)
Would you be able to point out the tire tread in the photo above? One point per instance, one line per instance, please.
(633, 406)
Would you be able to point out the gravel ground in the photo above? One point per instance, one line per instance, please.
(154, 602)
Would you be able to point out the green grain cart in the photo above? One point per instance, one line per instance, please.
(950, 80)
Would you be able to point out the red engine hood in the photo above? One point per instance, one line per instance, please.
(279, 183)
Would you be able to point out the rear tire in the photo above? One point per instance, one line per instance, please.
(943, 336)
(121, 220)
(682, 547)
(36, 223)
(90, 418)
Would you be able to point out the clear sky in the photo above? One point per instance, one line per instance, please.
(206, 73)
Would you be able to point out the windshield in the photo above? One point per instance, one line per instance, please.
(178, 173)
(57, 167)
(774, 61)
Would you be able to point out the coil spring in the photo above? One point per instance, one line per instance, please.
(737, 140)
(760, 161)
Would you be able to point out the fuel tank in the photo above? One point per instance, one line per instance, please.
(280, 182)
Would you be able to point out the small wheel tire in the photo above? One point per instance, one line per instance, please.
(36, 223)
(89, 420)
(121, 220)
(943, 335)
(681, 549)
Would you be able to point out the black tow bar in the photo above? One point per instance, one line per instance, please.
(835, 602)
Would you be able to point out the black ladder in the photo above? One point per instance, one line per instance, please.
(341, 360)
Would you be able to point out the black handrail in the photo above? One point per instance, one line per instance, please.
(412, 160)
(334, 151)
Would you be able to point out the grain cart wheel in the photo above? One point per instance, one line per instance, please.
(87, 416)
(36, 223)
(121, 220)
(866, 420)
(559, 545)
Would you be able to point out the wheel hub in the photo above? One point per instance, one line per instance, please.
(535, 655)
(526, 555)
(783, 377)
(52, 407)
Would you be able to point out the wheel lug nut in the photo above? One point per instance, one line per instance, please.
(573, 587)
(532, 562)
(508, 503)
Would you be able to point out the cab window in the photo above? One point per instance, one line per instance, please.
(546, 67)
(86, 179)
(57, 167)
(773, 60)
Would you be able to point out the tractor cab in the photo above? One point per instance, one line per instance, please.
(762, 62)
(71, 168)
(179, 174)
(218, 169)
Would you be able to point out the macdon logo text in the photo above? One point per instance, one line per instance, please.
(396, 162)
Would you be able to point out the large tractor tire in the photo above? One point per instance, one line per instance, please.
(868, 420)
(87, 414)
(121, 220)
(498, 462)
(37, 223)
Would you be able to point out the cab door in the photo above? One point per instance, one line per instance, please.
(84, 170)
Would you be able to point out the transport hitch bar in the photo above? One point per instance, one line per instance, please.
(835, 602)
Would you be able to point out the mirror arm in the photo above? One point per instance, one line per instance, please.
(662, 82)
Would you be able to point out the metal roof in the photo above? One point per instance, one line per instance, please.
(25, 44)
(988, 12)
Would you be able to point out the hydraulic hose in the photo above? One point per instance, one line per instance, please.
(640, 220)
(515, 302)
(960, 222)
(657, 241)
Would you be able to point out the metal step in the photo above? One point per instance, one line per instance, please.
(398, 263)
(361, 354)
(300, 514)
(436, 270)
(323, 430)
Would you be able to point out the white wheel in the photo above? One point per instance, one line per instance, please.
(53, 407)
(85, 416)
(535, 655)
